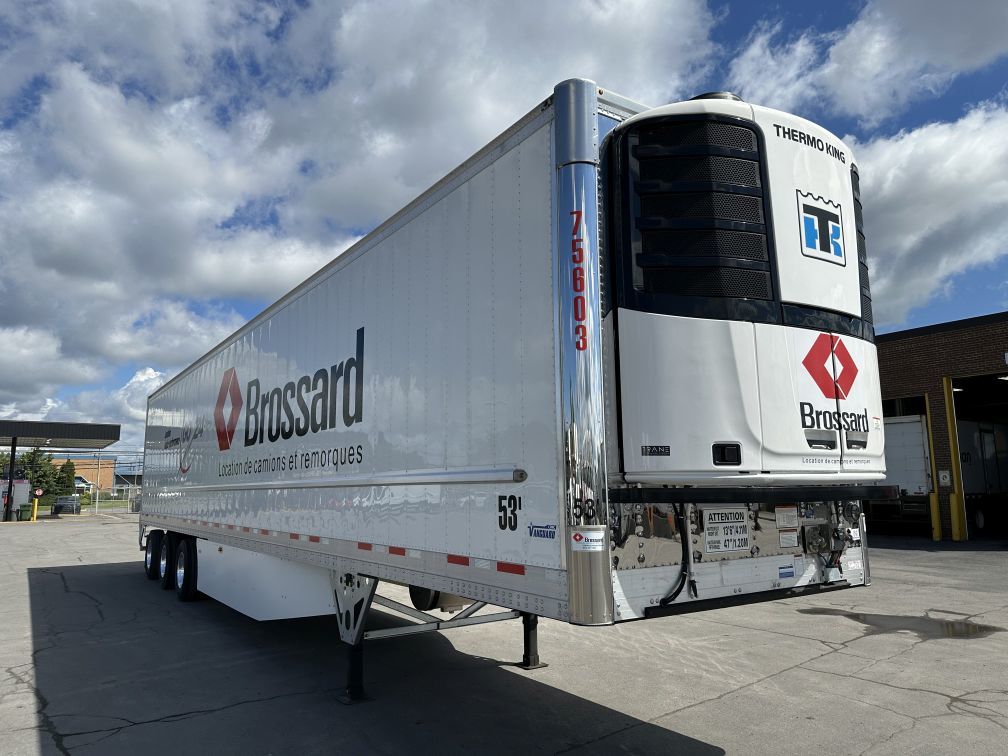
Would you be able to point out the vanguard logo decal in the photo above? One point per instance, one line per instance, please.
(543, 531)
(820, 228)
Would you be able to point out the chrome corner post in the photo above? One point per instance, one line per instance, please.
(577, 300)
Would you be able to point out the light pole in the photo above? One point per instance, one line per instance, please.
(97, 482)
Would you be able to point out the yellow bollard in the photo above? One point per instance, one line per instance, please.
(34, 509)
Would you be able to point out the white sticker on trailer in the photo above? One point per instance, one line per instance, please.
(587, 541)
(786, 516)
(726, 530)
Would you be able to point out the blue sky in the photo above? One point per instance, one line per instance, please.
(166, 170)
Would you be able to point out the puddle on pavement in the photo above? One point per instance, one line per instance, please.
(926, 628)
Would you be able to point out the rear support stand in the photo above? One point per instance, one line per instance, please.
(354, 594)
(530, 636)
(355, 674)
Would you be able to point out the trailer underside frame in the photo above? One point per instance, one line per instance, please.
(355, 594)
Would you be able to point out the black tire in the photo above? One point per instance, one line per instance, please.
(166, 564)
(424, 599)
(152, 554)
(981, 522)
(185, 569)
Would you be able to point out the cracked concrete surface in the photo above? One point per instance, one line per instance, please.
(95, 659)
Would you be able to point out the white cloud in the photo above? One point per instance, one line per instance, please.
(32, 362)
(158, 161)
(936, 204)
(936, 197)
(893, 53)
(775, 75)
(125, 405)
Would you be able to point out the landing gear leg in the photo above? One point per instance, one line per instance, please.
(355, 674)
(530, 635)
(354, 594)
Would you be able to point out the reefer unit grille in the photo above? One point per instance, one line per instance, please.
(866, 302)
(694, 192)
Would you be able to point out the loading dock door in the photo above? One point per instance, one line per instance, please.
(981, 410)
(908, 462)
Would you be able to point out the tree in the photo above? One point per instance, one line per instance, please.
(37, 466)
(65, 483)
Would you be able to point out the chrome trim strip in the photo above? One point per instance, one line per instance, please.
(579, 346)
(397, 478)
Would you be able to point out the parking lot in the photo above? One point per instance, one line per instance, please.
(96, 659)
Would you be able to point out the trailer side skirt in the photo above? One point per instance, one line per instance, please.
(526, 588)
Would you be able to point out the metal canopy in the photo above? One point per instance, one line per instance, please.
(30, 434)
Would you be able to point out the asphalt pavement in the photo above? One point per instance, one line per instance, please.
(96, 659)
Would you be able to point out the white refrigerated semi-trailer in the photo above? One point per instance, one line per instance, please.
(618, 362)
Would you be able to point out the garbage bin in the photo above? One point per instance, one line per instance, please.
(24, 512)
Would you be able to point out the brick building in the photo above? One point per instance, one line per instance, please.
(954, 377)
(87, 466)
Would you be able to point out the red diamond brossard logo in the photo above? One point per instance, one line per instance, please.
(577, 537)
(825, 349)
(226, 429)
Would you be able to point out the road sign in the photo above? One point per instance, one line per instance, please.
(38, 491)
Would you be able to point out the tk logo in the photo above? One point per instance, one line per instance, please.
(820, 228)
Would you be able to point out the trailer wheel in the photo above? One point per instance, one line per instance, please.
(979, 520)
(185, 569)
(166, 564)
(423, 599)
(152, 554)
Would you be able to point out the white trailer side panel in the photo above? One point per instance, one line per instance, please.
(908, 465)
(458, 384)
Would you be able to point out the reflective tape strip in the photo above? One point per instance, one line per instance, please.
(509, 568)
